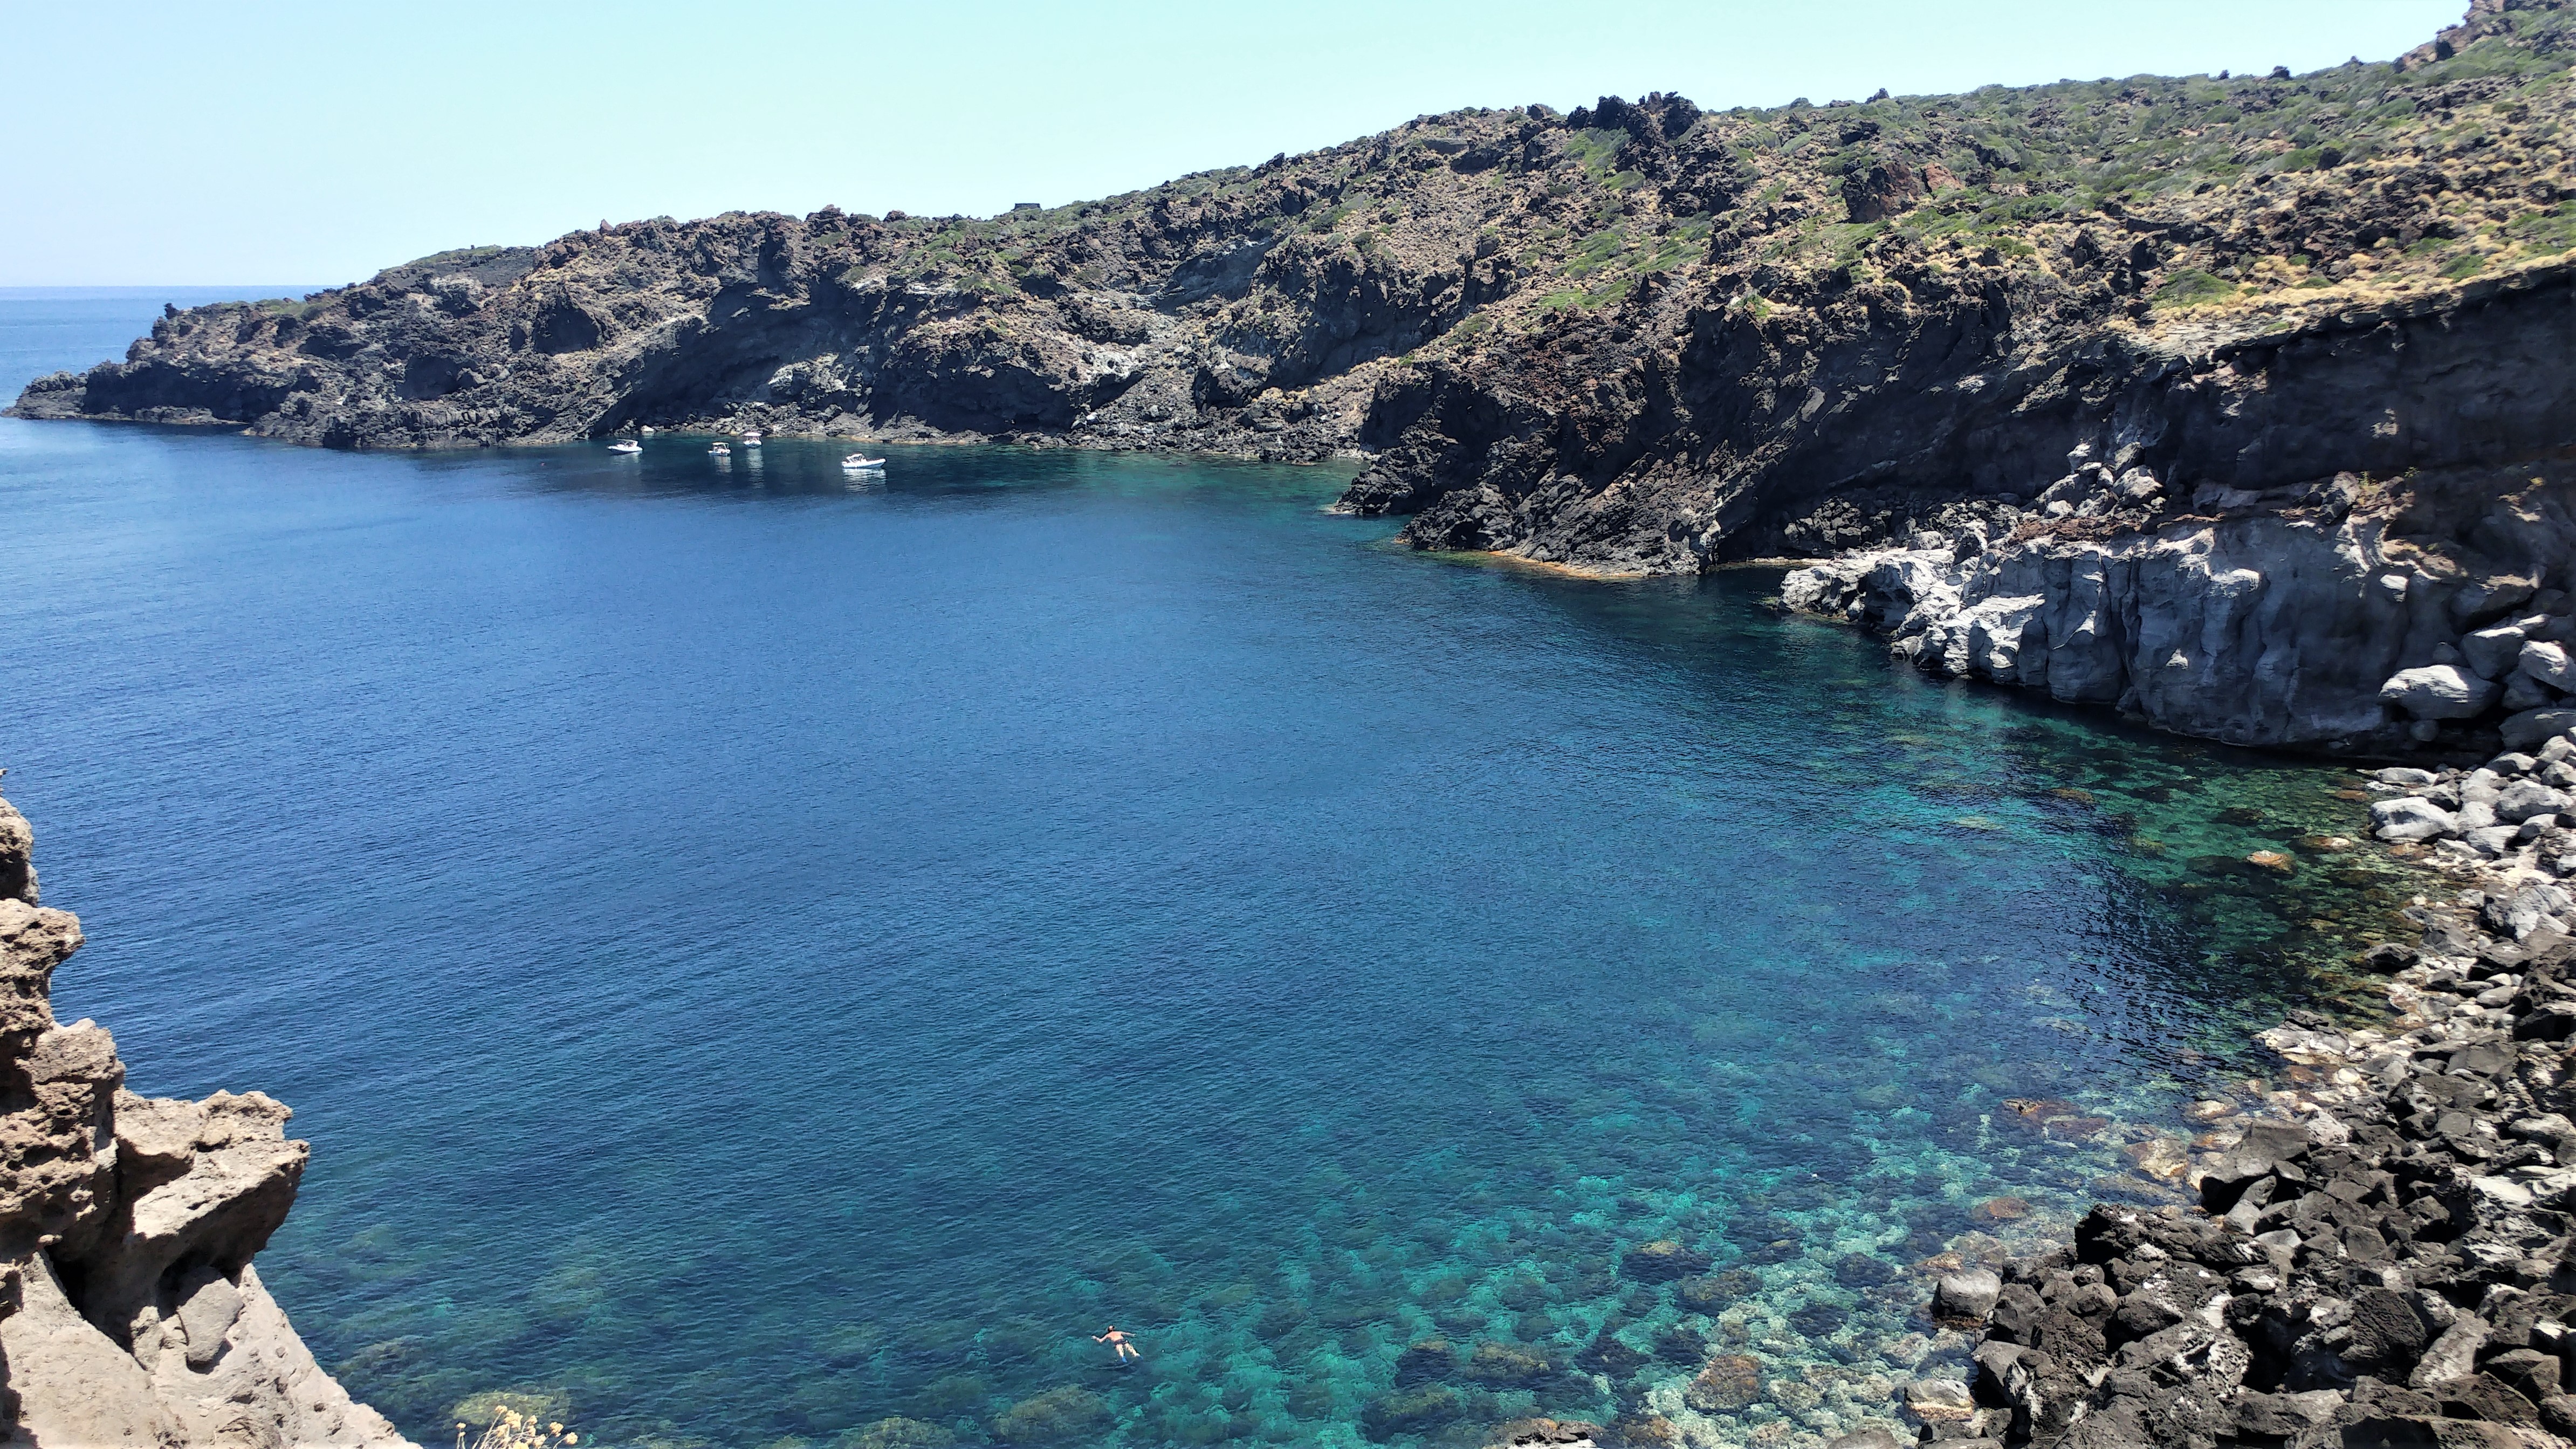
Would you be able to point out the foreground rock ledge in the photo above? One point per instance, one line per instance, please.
(130, 1313)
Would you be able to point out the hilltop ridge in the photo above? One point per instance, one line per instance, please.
(1642, 337)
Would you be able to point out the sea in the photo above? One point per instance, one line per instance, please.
(772, 957)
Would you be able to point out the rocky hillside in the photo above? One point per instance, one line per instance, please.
(1644, 337)
(130, 1313)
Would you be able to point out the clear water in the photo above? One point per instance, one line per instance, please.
(757, 956)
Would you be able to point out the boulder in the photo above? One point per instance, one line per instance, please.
(2491, 840)
(2388, 958)
(2528, 1371)
(2535, 726)
(1424, 1361)
(2523, 799)
(2486, 1398)
(1540, 1433)
(1937, 1401)
(1712, 1293)
(2439, 691)
(1967, 1296)
(1509, 1366)
(1066, 1415)
(2410, 817)
(2493, 652)
(2454, 1355)
(2528, 909)
(2522, 692)
(2549, 664)
(2388, 1334)
(2268, 1149)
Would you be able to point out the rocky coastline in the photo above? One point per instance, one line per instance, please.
(2223, 399)
(130, 1310)
(2281, 460)
(2424, 614)
(2381, 1251)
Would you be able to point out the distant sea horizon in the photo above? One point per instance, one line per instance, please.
(201, 291)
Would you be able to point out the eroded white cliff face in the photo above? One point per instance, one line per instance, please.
(2347, 617)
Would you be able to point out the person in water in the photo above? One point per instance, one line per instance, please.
(1118, 1344)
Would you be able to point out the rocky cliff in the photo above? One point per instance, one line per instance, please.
(130, 1312)
(2100, 319)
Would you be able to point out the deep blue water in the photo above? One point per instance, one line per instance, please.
(756, 956)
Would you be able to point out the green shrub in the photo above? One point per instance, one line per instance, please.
(2191, 286)
(2546, 231)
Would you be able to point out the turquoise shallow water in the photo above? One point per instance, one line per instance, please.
(757, 956)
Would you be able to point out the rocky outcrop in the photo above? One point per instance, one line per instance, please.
(1639, 337)
(2382, 1256)
(2427, 612)
(132, 1314)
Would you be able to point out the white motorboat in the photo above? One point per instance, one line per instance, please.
(751, 439)
(858, 464)
(648, 432)
(720, 450)
(626, 445)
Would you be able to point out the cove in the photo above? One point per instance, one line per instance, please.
(758, 956)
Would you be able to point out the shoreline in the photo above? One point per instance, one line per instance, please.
(2384, 1257)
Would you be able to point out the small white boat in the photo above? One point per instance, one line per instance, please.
(720, 450)
(626, 445)
(857, 464)
(648, 432)
(751, 439)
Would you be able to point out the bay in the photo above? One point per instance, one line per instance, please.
(758, 952)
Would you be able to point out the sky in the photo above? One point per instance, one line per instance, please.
(311, 144)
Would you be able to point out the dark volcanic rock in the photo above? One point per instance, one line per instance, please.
(2121, 338)
(2389, 1269)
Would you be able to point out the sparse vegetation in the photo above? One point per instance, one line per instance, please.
(2192, 287)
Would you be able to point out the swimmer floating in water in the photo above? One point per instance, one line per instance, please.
(1118, 1344)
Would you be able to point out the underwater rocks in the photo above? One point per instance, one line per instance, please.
(1067, 1415)
(2384, 1260)
(1662, 1262)
(1728, 1381)
(132, 1313)
(1712, 1293)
